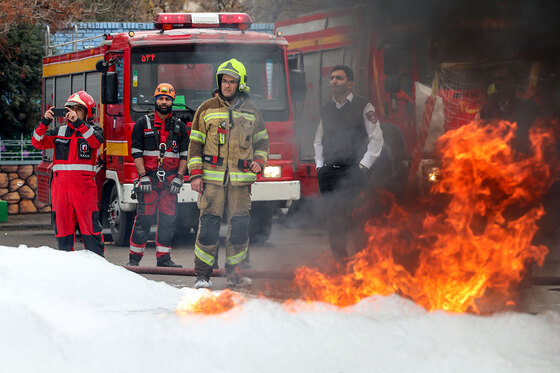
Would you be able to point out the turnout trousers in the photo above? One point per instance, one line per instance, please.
(216, 203)
(162, 202)
(74, 203)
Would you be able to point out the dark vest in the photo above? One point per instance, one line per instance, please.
(344, 135)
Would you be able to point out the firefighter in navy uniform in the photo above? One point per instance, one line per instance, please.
(229, 147)
(159, 148)
(73, 187)
(347, 143)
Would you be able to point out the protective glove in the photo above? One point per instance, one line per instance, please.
(176, 184)
(145, 184)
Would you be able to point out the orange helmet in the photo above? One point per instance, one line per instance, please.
(85, 100)
(165, 89)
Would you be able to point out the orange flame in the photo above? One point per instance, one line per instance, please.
(480, 241)
(210, 303)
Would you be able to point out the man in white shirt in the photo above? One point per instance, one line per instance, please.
(347, 143)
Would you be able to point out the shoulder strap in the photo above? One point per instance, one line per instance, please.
(176, 126)
(149, 126)
(148, 122)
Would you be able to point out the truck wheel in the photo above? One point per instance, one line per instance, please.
(261, 222)
(120, 221)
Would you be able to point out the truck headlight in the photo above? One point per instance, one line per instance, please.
(271, 172)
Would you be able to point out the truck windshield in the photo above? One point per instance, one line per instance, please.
(191, 70)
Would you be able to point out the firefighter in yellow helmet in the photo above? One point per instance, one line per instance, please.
(228, 148)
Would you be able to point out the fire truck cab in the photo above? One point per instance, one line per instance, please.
(184, 50)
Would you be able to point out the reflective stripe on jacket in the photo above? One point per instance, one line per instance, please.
(75, 150)
(146, 139)
(224, 141)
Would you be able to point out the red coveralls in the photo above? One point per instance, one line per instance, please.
(146, 137)
(73, 187)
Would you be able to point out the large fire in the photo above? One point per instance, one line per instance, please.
(480, 242)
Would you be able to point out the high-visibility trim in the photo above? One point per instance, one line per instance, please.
(117, 148)
(73, 167)
(262, 135)
(261, 153)
(171, 155)
(162, 249)
(183, 153)
(207, 117)
(37, 137)
(237, 114)
(200, 254)
(234, 72)
(137, 249)
(198, 136)
(242, 176)
(213, 175)
(136, 150)
(62, 131)
(237, 258)
(88, 133)
(194, 160)
(156, 153)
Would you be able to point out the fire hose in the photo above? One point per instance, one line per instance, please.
(216, 273)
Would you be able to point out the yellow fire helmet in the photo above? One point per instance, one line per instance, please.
(237, 70)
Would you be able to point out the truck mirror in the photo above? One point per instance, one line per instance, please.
(297, 85)
(391, 61)
(392, 84)
(102, 66)
(110, 88)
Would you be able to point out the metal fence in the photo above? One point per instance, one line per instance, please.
(18, 151)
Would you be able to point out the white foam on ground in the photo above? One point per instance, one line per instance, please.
(66, 312)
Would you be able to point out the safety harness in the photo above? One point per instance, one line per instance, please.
(163, 146)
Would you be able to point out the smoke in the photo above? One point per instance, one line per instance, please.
(485, 34)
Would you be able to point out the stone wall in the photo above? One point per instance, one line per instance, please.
(18, 187)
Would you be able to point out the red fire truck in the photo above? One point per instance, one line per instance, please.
(184, 50)
(421, 83)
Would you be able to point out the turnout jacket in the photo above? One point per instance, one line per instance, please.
(75, 145)
(225, 140)
(146, 140)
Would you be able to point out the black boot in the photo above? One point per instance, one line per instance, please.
(134, 260)
(165, 261)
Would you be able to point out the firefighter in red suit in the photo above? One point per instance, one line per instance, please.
(73, 187)
(159, 148)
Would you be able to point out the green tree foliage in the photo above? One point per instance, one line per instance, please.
(21, 50)
(20, 80)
